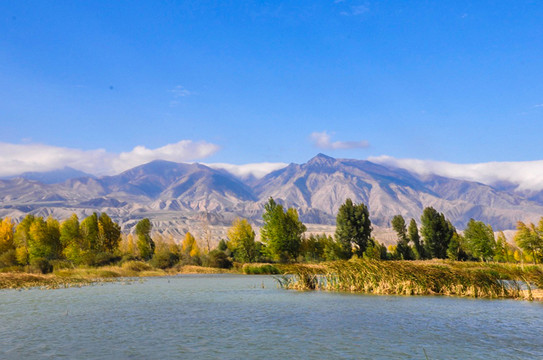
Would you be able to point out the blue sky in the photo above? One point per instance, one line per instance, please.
(270, 81)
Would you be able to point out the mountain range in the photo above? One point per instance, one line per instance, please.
(175, 194)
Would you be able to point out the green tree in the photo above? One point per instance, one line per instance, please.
(22, 239)
(480, 240)
(529, 239)
(504, 250)
(282, 232)
(375, 251)
(145, 243)
(109, 234)
(353, 228)
(437, 232)
(456, 249)
(242, 241)
(332, 250)
(414, 237)
(223, 245)
(71, 239)
(90, 232)
(44, 239)
(70, 232)
(402, 246)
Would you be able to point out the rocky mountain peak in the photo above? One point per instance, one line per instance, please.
(322, 161)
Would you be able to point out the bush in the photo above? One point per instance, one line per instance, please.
(41, 265)
(61, 264)
(164, 259)
(261, 269)
(217, 259)
(190, 260)
(98, 259)
(136, 266)
(127, 258)
(104, 258)
(8, 258)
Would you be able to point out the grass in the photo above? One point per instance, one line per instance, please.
(15, 280)
(477, 280)
(194, 269)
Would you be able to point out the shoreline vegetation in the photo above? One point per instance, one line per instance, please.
(432, 258)
(129, 271)
(364, 276)
(430, 277)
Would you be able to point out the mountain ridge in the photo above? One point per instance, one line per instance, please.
(189, 192)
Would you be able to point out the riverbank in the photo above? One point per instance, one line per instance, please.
(76, 277)
(86, 276)
(435, 277)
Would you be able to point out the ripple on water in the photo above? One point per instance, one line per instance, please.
(235, 317)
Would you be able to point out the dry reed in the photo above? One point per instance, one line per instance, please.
(417, 278)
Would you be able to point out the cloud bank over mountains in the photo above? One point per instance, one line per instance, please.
(19, 158)
(523, 175)
(16, 159)
(258, 170)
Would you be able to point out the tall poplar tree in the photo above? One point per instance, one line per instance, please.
(145, 244)
(414, 237)
(402, 245)
(437, 232)
(353, 228)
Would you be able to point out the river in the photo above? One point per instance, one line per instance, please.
(249, 317)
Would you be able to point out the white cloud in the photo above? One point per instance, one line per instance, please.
(322, 141)
(525, 175)
(183, 150)
(359, 9)
(258, 170)
(354, 10)
(180, 91)
(18, 158)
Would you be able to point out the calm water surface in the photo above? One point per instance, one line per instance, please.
(248, 317)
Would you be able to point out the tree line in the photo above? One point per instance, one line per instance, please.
(97, 240)
(283, 240)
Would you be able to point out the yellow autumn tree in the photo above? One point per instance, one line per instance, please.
(190, 246)
(6, 235)
(127, 246)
